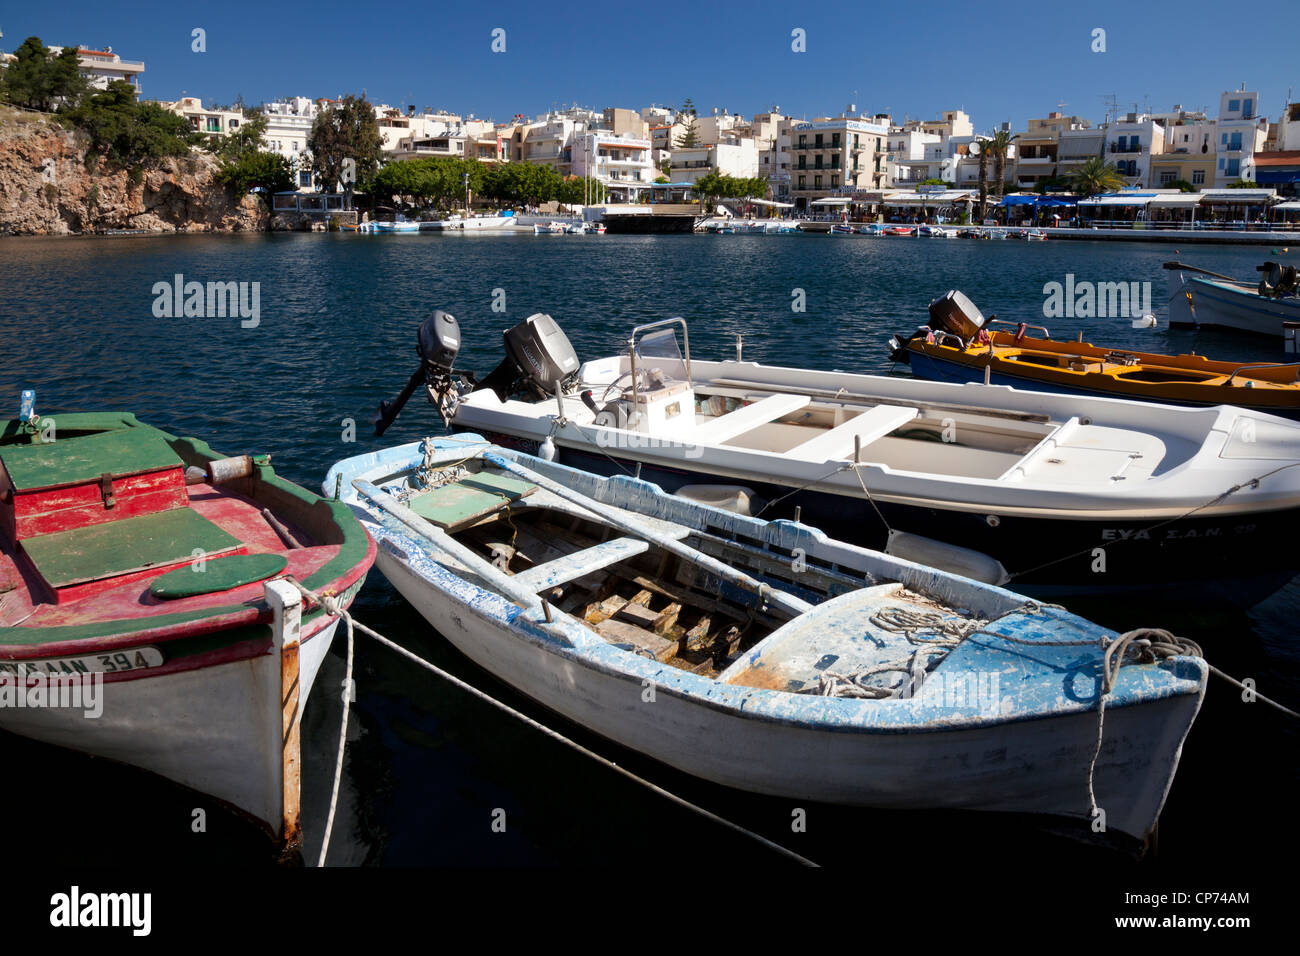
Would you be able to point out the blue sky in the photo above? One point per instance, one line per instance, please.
(998, 61)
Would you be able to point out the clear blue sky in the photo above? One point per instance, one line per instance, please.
(999, 61)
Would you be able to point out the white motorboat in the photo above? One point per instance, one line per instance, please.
(1198, 297)
(1062, 493)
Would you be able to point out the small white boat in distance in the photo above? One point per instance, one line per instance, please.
(764, 655)
(1199, 297)
(550, 228)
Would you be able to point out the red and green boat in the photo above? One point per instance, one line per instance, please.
(136, 618)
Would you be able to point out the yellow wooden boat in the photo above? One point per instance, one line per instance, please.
(960, 345)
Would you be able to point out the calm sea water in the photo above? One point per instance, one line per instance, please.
(427, 765)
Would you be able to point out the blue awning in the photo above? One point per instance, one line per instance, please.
(1274, 177)
(1018, 200)
(1058, 201)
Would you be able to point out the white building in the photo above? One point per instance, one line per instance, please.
(623, 163)
(215, 123)
(288, 127)
(1240, 134)
(1130, 142)
(739, 160)
(101, 67)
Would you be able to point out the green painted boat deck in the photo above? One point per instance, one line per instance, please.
(454, 505)
(120, 547)
(127, 451)
(221, 574)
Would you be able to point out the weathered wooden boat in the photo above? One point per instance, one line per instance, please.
(959, 344)
(133, 566)
(764, 655)
(1064, 494)
(1198, 297)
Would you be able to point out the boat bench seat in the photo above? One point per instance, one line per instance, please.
(580, 563)
(837, 443)
(726, 427)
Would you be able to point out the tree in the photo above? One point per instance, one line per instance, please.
(246, 139)
(38, 80)
(1243, 184)
(242, 171)
(128, 133)
(689, 138)
(574, 191)
(932, 182)
(347, 130)
(997, 146)
(1181, 185)
(1094, 177)
(981, 145)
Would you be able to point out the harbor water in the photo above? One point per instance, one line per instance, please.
(436, 777)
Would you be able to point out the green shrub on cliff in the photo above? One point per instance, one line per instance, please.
(126, 132)
(269, 170)
(39, 80)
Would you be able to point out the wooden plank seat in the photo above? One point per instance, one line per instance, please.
(579, 564)
(837, 443)
(726, 427)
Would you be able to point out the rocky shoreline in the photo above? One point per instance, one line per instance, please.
(47, 189)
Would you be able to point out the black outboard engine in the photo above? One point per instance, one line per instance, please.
(437, 343)
(538, 358)
(954, 312)
(1277, 280)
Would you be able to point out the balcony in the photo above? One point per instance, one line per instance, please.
(1116, 148)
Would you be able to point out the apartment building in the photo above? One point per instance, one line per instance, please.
(288, 128)
(101, 67)
(623, 163)
(739, 159)
(833, 156)
(213, 122)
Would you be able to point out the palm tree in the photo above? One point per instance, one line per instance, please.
(998, 145)
(981, 143)
(1094, 177)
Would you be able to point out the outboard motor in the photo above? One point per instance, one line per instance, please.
(954, 312)
(437, 343)
(539, 358)
(1277, 280)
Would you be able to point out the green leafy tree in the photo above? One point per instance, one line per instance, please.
(980, 144)
(1243, 184)
(1180, 184)
(522, 183)
(39, 80)
(248, 138)
(126, 132)
(243, 171)
(1096, 176)
(344, 131)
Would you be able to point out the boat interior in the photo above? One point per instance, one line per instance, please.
(645, 599)
(115, 519)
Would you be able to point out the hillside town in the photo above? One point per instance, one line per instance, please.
(1180, 167)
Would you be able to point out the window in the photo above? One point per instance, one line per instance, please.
(1234, 142)
(1247, 109)
(803, 140)
(1166, 177)
(304, 179)
(1198, 177)
(835, 140)
(803, 182)
(818, 140)
(803, 161)
(1234, 167)
(1234, 105)
(817, 182)
(835, 181)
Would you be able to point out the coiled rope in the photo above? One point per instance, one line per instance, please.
(331, 605)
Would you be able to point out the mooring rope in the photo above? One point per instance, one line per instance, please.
(330, 605)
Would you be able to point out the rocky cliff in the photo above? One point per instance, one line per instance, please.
(46, 188)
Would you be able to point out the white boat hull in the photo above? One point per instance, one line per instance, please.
(1033, 766)
(216, 730)
(1213, 304)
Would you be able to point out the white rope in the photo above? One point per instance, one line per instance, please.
(331, 606)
